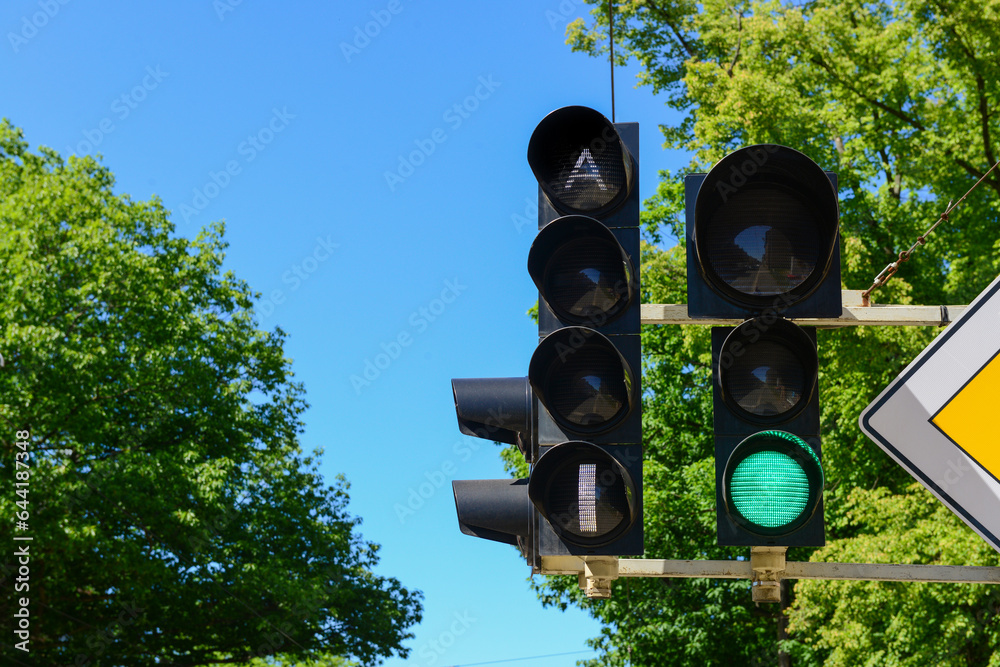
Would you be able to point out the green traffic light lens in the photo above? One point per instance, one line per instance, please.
(773, 483)
(770, 489)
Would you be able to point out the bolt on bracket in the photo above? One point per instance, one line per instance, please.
(768, 566)
(598, 573)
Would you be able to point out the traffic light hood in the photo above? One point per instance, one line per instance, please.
(587, 496)
(766, 227)
(582, 272)
(580, 161)
(494, 408)
(583, 380)
(494, 509)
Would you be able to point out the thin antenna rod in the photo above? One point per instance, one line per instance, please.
(611, 31)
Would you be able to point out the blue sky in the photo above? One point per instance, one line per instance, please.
(369, 161)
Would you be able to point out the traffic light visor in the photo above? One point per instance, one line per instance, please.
(766, 225)
(581, 271)
(584, 493)
(494, 408)
(493, 509)
(767, 370)
(582, 379)
(580, 161)
(773, 483)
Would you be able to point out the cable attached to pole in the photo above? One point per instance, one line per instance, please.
(611, 32)
(889, 271)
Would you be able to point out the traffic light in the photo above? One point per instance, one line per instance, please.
(576, 417)
(585, 373)
(763, 246)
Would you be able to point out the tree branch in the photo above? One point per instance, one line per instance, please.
(667, 20)
(739, 44)
(913, 122)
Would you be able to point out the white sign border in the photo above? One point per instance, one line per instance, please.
(938, 394)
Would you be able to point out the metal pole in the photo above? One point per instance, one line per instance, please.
(853, 314)
(728, 569)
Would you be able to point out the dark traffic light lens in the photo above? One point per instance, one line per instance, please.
(582, 379)
(584, 493)
(591, 388)
(767, 380)
(588, 499)
(762, 242)
(585, 177)
(582, 271)
(765, 226)
(579, 161)
(773, 483)
(767, 370)
(587, 279)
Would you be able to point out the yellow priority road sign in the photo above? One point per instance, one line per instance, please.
(940, 419)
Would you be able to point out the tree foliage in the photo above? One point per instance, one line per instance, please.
(902, 100)
(174, 517)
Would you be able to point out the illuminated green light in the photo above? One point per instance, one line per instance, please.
(770, 489)
(774, 482)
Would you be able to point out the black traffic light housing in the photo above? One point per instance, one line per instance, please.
(762, 235)
(766, 399)
(586, 165)
(588, 273)
(495, 509)
(576, 417)
(502, 410)
(498, 409)
(586, 372)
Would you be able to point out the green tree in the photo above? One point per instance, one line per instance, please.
(902, 100)
(174, 517)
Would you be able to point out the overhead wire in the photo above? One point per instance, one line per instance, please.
(885, 274)
(531, 657)
(611, 34)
